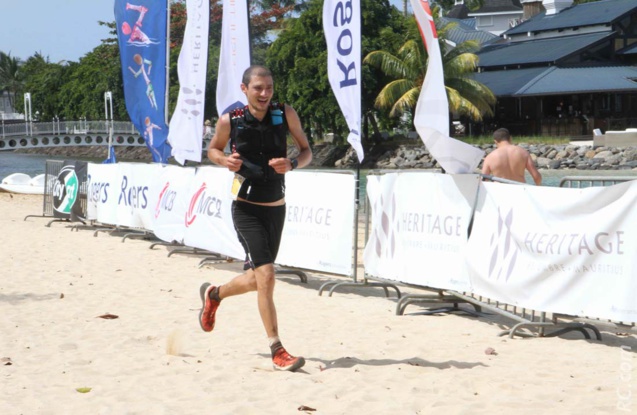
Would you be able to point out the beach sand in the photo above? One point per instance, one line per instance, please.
(361, 358)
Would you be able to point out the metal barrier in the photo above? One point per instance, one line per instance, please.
(51, 170)
(593, 181)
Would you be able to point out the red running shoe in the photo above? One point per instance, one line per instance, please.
(208, 307)
(282, 360)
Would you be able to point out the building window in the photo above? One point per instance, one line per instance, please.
(486, 21)
(618, 103)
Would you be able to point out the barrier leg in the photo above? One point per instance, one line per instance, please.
(302, 275)
(364, 284)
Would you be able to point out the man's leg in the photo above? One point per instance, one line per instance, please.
(265, 279)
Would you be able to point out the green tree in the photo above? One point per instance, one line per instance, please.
(43, 80)
(407, 69)
(11, 77)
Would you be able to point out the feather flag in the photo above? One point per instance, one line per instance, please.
(234, 58)
(432, 110)
(186, 124)
(141, 33)
(342, 27)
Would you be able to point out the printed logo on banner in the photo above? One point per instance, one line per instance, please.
(504, 249)
(97, 191)
(65, 190)
(203, 204)
(383, 239)
(165, 200)
(558, 248)
(315, 221)
(133, 196)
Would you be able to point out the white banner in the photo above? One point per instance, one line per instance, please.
(234, 58)
(208, 219)
(342, 27)
(569, 251)
(101, 195)
(186, 125)
(169, 198)
(319, 223)
(132, 196)
(419, 228)
(432, 110)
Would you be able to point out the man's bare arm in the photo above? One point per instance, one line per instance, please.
(530, 166)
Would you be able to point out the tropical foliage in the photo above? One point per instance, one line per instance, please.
(287, 35)
(407, 69)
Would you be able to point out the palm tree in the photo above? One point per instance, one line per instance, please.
(10, 76)
(408, 68)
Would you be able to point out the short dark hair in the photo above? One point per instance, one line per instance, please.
(501, 134)
(254, 70)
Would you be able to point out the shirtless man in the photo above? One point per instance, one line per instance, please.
(508, 161)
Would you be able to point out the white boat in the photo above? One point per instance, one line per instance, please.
(23, 183)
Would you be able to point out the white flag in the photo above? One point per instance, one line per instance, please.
(432, 110)
(234, 58)
(186, 125)
(342, 27)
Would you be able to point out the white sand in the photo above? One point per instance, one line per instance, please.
(361, 357)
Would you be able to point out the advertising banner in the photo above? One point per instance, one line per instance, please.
(169, 196)
(569, 251)
(319, 224)
(66, 191)
(419, 228)
(208, 219)
(132, 195)
(103, 182)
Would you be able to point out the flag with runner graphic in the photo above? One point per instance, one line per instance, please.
(141, 33)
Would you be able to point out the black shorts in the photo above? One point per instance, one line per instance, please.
(259, 229)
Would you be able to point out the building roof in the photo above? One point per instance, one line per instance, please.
(498, 6)
(507, 83)
(558, 81)
(463, 32)
(586, 14)
(538, 50)
(458, 11)
(630, 50)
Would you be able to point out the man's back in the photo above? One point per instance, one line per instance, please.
(509, 161)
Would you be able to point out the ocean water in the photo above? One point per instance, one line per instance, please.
(34, 164)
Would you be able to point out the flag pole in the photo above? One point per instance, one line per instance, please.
(249, 31)
(167, 61)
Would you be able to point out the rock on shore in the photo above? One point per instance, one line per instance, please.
(404, 156)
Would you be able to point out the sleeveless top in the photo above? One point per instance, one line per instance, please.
(257, 142)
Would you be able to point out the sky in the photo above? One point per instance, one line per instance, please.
(58, 29)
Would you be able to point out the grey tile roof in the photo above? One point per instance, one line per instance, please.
(507, 83)
(586, 14)
(497, 6)
(557, 81)
(630, 50)
(538, 51)
(463, 32)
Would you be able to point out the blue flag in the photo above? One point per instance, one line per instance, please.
(141, 32)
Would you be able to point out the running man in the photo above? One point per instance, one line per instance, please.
(258, 135)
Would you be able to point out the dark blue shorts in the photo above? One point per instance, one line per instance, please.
(259, 229)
